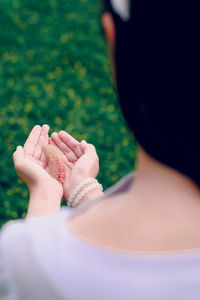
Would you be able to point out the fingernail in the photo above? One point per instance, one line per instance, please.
(53, 133)
(46, 125)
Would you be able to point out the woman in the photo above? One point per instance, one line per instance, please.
(141, 238)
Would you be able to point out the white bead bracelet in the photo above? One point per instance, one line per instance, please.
(75, 195)
(79, 187)
(80, 196)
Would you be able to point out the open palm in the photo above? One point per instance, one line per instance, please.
(82, 160)
(31, 163)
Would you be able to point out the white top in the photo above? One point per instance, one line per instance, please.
(41, 259)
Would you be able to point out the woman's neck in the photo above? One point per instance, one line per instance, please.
(158, 185)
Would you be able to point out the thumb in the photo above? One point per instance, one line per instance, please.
(83, 145)
(18, 156)
(89, 148)
(90, 151)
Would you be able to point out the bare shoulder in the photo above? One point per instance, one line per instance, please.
(96, 220)
(112, 224)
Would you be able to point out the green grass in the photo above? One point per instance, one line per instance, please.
(54, 69)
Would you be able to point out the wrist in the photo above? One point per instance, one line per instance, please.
(71, 185)
(91, 195)
(43, 200)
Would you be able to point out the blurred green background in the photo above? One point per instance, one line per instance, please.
(54, 69)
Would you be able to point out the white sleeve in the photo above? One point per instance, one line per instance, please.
(7, 286)
(17, 239)
(20, 243)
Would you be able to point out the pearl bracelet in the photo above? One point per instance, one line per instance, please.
(80, 196)
(78, 188)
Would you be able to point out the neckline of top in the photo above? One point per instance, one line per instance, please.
(86, 245)
(121, 185)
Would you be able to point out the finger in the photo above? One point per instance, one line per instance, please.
(18, 155)
(59, 143)
(64, 148)
(71, 155)
(32, 139)
(43, 156)
(42, 140)
(51, 142)
(83, 145)
(71, 142)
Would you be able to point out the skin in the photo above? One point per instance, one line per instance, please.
(83, 159)
(159, 213)
(31, 166)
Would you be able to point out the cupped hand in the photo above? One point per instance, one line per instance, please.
(30, 162)
(82, 160)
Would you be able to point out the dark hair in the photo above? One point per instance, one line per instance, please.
(156, 59)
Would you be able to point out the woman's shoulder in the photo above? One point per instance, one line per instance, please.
(101, 223)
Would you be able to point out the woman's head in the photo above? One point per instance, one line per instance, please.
(156, 66)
